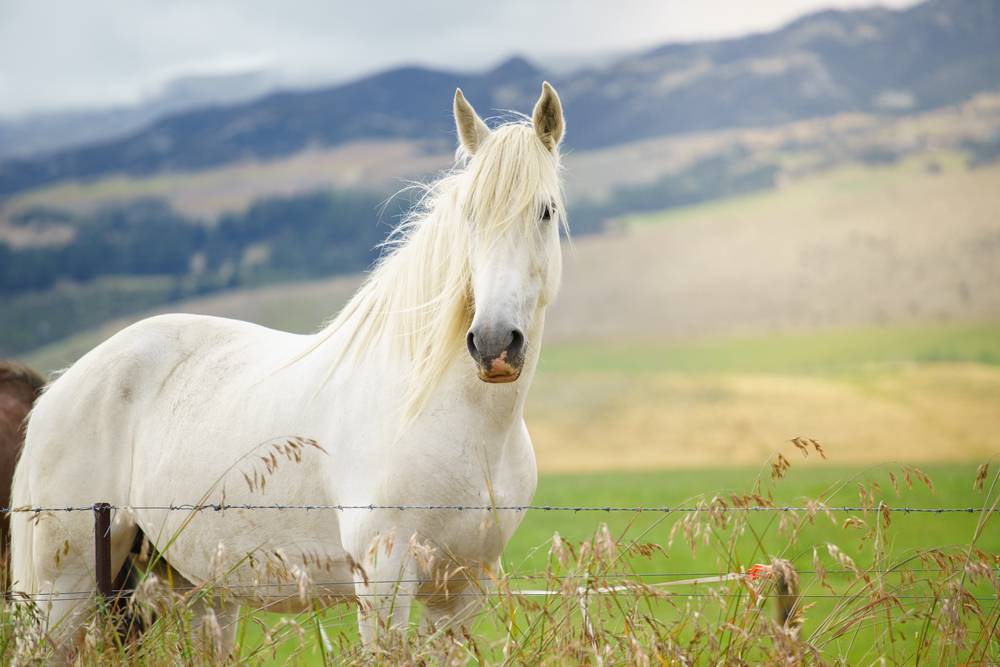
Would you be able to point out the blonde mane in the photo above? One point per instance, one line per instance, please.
(418, 298)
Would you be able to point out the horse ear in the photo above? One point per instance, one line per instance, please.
(548, 117)
(472, 131)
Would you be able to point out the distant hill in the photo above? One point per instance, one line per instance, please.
(47, 132)
(873, 60)
(859, 246)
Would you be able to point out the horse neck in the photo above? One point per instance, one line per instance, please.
(459, 387)
(505, 402)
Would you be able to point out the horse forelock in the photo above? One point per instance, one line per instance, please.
(509, 179)
(419, 296)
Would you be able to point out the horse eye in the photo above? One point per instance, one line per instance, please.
(546, 213)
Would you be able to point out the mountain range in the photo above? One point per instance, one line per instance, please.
(46, 132)
(877, 60)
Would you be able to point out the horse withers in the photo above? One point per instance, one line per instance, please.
(413, 395)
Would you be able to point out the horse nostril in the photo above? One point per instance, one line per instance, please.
(470, 341)
(516, 342)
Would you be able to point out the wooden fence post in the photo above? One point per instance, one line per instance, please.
(102, 549)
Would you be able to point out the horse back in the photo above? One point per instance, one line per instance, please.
(87, 418)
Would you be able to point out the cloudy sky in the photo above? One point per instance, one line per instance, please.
(73, 54)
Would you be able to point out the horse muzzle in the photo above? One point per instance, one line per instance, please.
(498, 353)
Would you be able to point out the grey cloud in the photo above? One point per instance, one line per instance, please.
(104, 52)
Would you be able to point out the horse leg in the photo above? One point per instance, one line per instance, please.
(131, 624)
(215, 623)
(65, 607)
(454, 612)
(64, 564)
(385, 586)
(214, 620)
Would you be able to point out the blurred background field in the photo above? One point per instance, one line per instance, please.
(859, 306)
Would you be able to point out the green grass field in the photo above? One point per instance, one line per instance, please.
(819, 352)
(907, 536)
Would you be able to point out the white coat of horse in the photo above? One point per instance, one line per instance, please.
(414, 394)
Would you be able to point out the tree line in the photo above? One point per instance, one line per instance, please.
(300, 236)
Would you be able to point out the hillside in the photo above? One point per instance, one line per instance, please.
(53, 130)
(75, 255)
(911, 243)
(738, 324)
(861, 245)
(592, 176)
(937, 53)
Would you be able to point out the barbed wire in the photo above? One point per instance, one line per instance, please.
(602, 578)
(632, 585)
(221, 507)
(637, 588)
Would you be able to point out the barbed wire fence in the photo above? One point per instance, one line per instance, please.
(221, 507)
(102, 535)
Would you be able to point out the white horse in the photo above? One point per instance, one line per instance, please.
(414, 394)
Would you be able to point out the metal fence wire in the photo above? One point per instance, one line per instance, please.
(221, 507)
(102, 521)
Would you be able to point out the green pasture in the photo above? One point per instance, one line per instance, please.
(807, 352)
(528, 552)
(802, 352)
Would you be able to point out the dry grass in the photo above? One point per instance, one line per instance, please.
(584, 421)
(849, 603)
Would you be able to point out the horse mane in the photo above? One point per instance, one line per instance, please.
(14, 371)
(419, 297)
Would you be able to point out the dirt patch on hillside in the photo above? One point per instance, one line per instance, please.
(861, 246)
(858, 247)
(582, 422)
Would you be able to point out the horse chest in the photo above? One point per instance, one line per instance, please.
(471, 489)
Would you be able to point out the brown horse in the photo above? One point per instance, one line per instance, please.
(19, 387)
